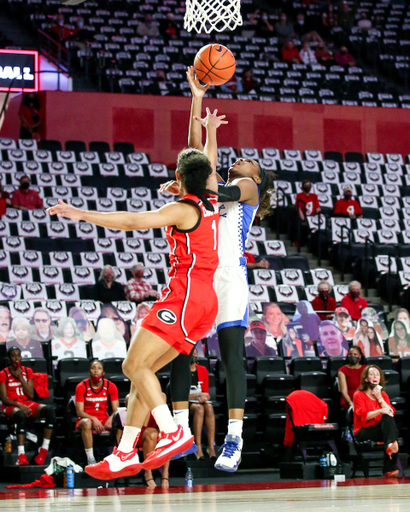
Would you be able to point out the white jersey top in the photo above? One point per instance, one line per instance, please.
(235, 222)
(103, 351)
(63, 350)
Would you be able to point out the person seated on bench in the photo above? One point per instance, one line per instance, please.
(16, 394)
(92, 398)
(374, 417)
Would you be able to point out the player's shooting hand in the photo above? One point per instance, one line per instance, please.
(63, 209)
(211, 119)
(170, 186)
(197, 89)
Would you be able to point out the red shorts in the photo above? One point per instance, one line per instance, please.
(184, 314)
(8, 409)
(77, 423)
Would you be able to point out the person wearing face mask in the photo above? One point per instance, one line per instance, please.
(93, 396)
(261, 21)
(24, 198)
(348, 207)
(107, 289)
(349, 376)
(353, 302)
(137, 289)
(16, 395)
(307, 203)
(323, 301)
(374, 417)
(29, 116)
(201, 408)
(343, 58)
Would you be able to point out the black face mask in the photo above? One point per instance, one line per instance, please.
(306, 188)
(25, 185)
(352, 360)
(194, 360)
(371, 385)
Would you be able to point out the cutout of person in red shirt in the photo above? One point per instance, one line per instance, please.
(374, 417)
(323, 301)
(307, 203)
(347, 206)
(353, 302)
(349, 376)
(26, 199)
(92, 399)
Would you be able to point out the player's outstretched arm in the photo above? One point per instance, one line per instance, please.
(198, 91)
(169, 215)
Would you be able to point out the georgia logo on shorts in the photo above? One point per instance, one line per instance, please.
(167, 316)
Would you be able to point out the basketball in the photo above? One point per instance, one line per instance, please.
(214, 64)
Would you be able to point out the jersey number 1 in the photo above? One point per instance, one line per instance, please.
(215, 233)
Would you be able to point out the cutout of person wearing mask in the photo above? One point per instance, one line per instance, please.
(349, 376)
(24, 198)
(347, 206)
(323, 301)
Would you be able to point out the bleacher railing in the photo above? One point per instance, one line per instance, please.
(54, 52)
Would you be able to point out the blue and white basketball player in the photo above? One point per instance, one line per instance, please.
(246, 194)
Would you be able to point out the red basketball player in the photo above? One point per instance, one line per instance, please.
(16, 394)
(184, 313)
(92, 398)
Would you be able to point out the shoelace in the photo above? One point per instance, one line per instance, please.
(229, 449)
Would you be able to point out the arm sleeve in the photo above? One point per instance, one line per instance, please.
(229, 194)
(360, 408)
(112, 391)
(80, 392)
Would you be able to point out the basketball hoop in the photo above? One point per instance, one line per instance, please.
(208, 15)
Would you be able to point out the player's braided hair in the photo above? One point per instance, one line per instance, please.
(195, 169)
(265, 191)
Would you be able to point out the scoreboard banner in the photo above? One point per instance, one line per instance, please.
(19, 70)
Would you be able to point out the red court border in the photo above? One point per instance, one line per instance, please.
(130, 491)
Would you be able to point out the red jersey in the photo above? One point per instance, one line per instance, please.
(310, 203)
(319, 305)
(14, 387)
(351, 207)
(354, 308)
(195, 251)
(363, 404)
(96, 400)
(353, 382)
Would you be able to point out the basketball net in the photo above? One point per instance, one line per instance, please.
(208, 15)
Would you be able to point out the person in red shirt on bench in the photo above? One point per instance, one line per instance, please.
(348, 207)
(92, 397)
(307, 203)
(353, 302)
(16, 395)
(24, 198)
(374, 417)
(323, 301)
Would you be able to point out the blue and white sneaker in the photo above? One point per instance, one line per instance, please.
(231, 455)
(193, 449)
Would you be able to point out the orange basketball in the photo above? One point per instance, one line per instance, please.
(214, 64)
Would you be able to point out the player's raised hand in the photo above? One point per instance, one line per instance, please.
(170, 186)
(63, 209)
(211, 119)
(197, 89)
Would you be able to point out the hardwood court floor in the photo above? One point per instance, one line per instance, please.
(359, 495)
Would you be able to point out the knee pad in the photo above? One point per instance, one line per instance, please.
(180, 378)
(47, 412)
(20, 419)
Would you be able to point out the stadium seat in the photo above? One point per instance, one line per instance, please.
(300, 365)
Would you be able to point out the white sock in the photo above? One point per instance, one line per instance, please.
(46, 444)
(181, 417)
(20, 450)
(129, 438)
(164, 419)
(90, 454)
(235, 428)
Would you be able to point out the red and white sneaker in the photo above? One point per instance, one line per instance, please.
(116, 465)
(40, 458)
(168, 446)
(22, 460)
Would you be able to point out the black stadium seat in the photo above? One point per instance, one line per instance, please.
(300, 365)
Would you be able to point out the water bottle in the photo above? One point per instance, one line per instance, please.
(70, 477)
(9, 445)
(323, 461)
(189, 478)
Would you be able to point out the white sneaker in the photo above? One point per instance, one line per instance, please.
(231, 455)
(116, 465)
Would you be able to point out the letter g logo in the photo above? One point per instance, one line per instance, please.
(167, 316)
